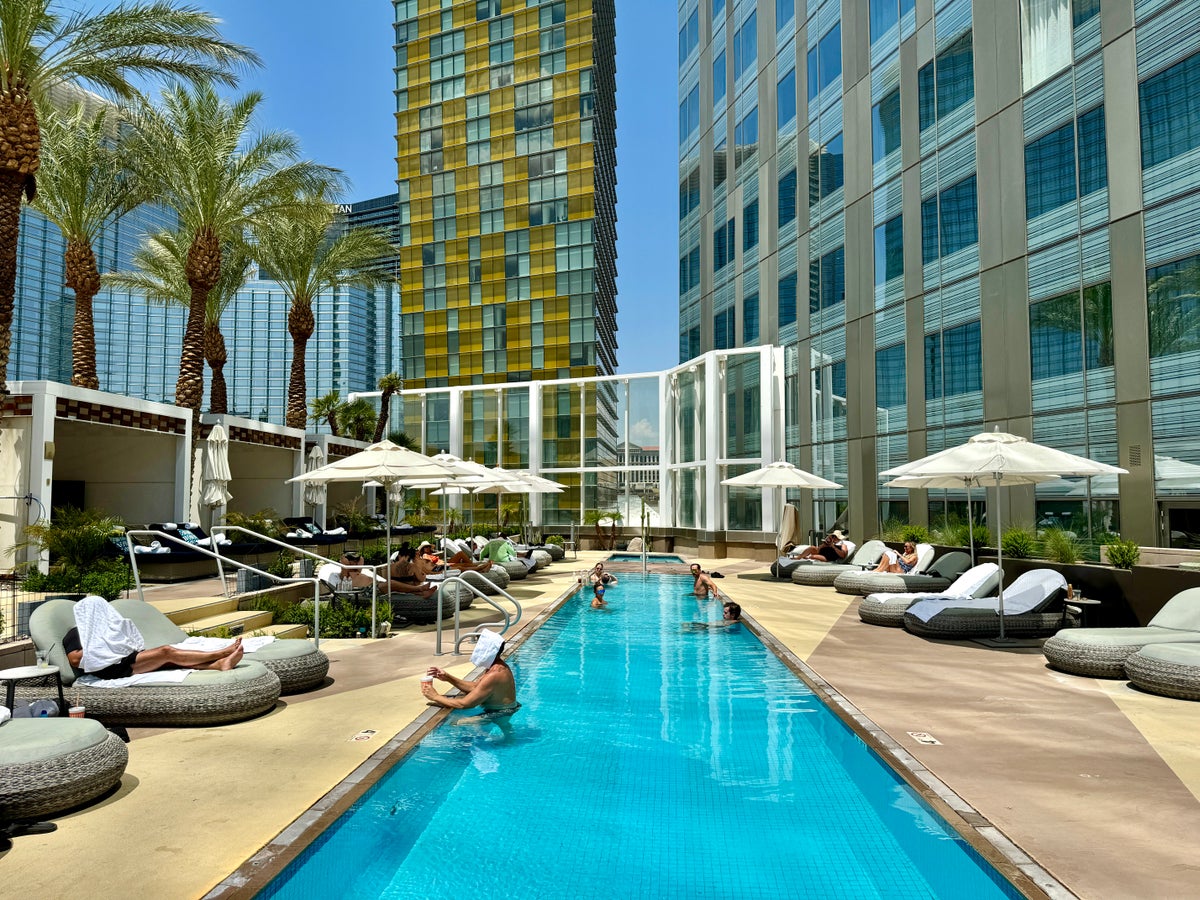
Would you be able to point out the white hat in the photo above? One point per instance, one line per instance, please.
(424, 544)
(488, 648)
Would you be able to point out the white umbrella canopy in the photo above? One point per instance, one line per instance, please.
(995, 458)
(215, 489)
(780, 475)
(315, 491)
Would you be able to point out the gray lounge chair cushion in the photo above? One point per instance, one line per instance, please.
(50, 765)
(888, 609)
(30, 740)
(1030, 608)
(941, 574)
(1182, 612)
(515, 568)
(1172, 670)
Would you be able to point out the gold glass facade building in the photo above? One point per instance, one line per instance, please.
(506, 158)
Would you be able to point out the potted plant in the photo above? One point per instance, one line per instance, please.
(84, 555)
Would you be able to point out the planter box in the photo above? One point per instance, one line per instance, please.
(248, 581)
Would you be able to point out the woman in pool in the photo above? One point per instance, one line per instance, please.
(599, 576)
(703, 585)
(899, 563)
(598, 601)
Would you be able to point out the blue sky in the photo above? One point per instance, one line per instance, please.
(328, 78)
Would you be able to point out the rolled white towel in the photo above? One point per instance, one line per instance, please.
(139, 548)
(189, 525)
(221, 539)
(296, 534)
(204, 542)
(169, 526)
(338, 530)
(162, 550)
(5, 714)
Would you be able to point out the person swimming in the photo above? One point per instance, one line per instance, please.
(598, 601)
(731, 614)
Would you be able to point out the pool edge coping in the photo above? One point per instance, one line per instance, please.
(256, 873)
(988, 840)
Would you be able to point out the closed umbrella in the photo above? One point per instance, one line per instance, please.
(997, 458)
(215, 489)
(782, 475)
(315, 491)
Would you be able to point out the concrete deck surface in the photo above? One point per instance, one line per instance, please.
(1097, 782)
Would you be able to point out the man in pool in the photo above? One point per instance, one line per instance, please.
(731, 615)
(704, 585)
(495, 690)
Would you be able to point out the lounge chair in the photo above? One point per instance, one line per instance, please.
(1033, 607)
(52, 765)
(929, 578)
(888, 609)
(1103, 652)
(784, 566)
(164, 560)
(305, 531)
(1172, 670)
(207, 697)
(824, 574)
(298, 663)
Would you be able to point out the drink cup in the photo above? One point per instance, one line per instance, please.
(427, 679)
(43, 658)
(76, 712)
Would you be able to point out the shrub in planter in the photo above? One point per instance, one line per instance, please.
(1019, 542)
(554, 539)
(81, 555)
(893, 530)
(1061, 546)
(281, 565)
(374, 554)
(347, 620)
(1124, 554)
(959, 535)
(918, 534)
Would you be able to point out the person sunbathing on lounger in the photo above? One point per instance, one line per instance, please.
(495, 690)
(898, 563)
(106, 644)
(408, 577)
(351, 567)
(832, 549)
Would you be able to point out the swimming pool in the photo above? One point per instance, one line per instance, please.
(647, 761)
(620, 556)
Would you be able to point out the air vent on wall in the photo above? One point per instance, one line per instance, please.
(1135, 455)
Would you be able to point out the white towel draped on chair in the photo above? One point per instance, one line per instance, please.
(106, 635)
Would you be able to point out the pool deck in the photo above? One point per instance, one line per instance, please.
(1097, 782)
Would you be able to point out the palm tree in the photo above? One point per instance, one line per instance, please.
(357, 419)
(401, 439)
(198, 155)
(388, 384)
(306, 260)
(84, 185)
(325, 409)
(161, 277)
(44, 45)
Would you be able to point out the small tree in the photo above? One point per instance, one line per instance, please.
(325, 409)
(388, 384)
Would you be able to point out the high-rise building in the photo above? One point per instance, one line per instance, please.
(506, 137)
(999, 231)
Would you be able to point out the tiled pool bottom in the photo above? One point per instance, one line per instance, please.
(648, 761)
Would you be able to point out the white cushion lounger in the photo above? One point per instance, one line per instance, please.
(888, 609)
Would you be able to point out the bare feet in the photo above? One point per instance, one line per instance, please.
(232, 659)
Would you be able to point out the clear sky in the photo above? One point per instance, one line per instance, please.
(328, 78)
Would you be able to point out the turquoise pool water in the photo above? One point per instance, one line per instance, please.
(647, 761)
(652, 557)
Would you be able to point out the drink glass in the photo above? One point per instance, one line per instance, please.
(43, 658)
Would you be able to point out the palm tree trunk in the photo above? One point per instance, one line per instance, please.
(83, 277)
(20, 152)
(203, 270)
(385, 402)
(301, 324)
(216, 355)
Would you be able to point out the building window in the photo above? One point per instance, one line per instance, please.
(750, 225)
(1050, 171)
(1173, 294)
(825, 62)
(1170, 112)
(953, 362)
(689, 271)
(750, 320)
(723, 336)
(1067, 336)
(552, 14)
(890, 381)
(745, 46)
(787, 198)
(484, 9)
(745, 137)
(827, 281)
(787, 300)
(1093, 152)
(949, 221)
(689, 36)
(785, 11)
(553, 63)
(889, 250)
(946, 83)
(689, 115)
(719, 78)
(724, 246)
(826, 170)
(552, 38)
(1047, 39)
(785, 100)
(885, 126)
(431, 139)
(720, 163)
(689, 193)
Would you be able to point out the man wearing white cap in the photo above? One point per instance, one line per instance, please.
(494, 690)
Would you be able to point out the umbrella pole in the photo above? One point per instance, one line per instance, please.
(1000, 554)
(970, 523)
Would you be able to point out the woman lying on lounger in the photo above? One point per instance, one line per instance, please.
(899, 563)
(106, 644)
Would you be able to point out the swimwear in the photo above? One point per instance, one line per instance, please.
(829, 553)
(122, 669)
(499, 712)
(905, 567)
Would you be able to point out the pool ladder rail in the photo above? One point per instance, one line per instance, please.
(472, 635)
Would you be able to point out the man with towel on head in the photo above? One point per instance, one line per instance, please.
(494, 690)
(106, 644)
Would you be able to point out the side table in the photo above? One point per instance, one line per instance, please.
(1087, 609)
(31, 673)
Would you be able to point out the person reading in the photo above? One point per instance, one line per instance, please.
(352, 568)
(409, 578)
(105, 644)
(898, 563)
(832, 549)
(495, 690)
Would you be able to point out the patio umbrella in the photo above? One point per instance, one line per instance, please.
(386, 463)
(506, 482)
(782, 475)
(315, 491)
(215, 489)
(997, 458)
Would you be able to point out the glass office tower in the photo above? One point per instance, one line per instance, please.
(506, 135)
(998, 231)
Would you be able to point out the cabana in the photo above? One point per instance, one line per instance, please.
(262, 457)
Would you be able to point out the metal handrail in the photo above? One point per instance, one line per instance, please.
(162, 535)
(221, 529)
(458, 579)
